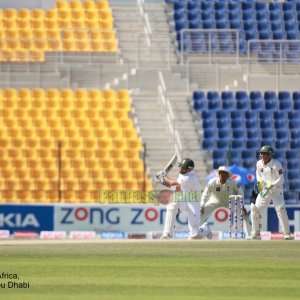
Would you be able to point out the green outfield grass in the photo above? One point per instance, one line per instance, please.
(153, 270)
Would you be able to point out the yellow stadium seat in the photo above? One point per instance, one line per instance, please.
(121, 163)
(115, 184)
(24, 13)
(8, 196)
(37, 55)
(37, 24)
(82, 45)
(75, 5)
(93, 24)
(51, 24)
(69, 197)
(41, 44)
(84, 184)
(96, 45)
(52, 196)
(10, 13)
(101, 153)
(96, 174)
(102, 5)
(89, 5)
(25, 34)
(51, 14)
(78, 23)
(111, 122)
(100, 184)
(62, 4)
(38, 13)
(23, 24)
(78, 15)
(10, 94)
(64, 23)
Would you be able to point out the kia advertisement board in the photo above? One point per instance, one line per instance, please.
(20, 217)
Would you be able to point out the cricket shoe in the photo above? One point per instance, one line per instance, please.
(287, 236)
(254, 237)
(209, 233)
(166, 236)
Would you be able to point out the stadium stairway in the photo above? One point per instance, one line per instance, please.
(144, 80)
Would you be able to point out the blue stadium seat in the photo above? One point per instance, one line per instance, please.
(208, 123)
(293, 174)
(206, 5)
(218, 154)
(270, 100)
(295, 134)
(199, 100)
(252, 134)
(235, 114)
(293, 163)
(227, 99)
(223, 123)
(291, 197)
(237, 123)
(233, 5)
(295, 144)
(220, 6)
(251, 123)
(265, 114)
(179, 5)
(224, 134)
(223, 144)
(274, 6)
(192, 5)
(296, 100)
(279, 154)
(288, 6)
(208, 144)
(284, 100)
(253, 144)
(266, 123)
(242, 100)
(281, 143)
(293, 115)
(213, 100)
(291, 154)
(267, 133)
(238, 134)
(256, 100)
(294, 185)
(294, 124)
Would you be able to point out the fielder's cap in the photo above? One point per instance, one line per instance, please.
(224, 169)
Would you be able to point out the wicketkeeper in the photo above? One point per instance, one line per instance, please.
(269, 176)
(186, 182)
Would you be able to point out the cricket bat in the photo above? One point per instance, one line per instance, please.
(170, 164)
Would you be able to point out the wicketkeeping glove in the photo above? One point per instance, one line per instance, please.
(266, 190)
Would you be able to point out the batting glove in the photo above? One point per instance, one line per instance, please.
(160, 175)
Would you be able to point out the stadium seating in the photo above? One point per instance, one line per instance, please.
(253, 19)
(64, 145)
(244, 126)
(26, 35)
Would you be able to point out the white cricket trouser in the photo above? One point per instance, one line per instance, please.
(193, 212)
(262, 203)
(209, 207)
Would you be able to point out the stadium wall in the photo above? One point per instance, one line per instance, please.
(115, 218)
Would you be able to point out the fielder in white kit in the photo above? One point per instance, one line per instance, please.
(217, 192)
(269, 176)
(186, 182)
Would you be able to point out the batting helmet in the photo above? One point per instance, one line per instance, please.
(267, 149)
(188, 163)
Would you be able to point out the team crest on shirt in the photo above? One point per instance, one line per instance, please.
(218, 189)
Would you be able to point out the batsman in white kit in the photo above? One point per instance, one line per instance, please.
(269, 175)
(187, 181)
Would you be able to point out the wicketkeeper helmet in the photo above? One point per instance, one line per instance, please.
(267, 149)
(188, 163)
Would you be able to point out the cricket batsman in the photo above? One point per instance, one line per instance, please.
(269, 176)
(186, 182)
